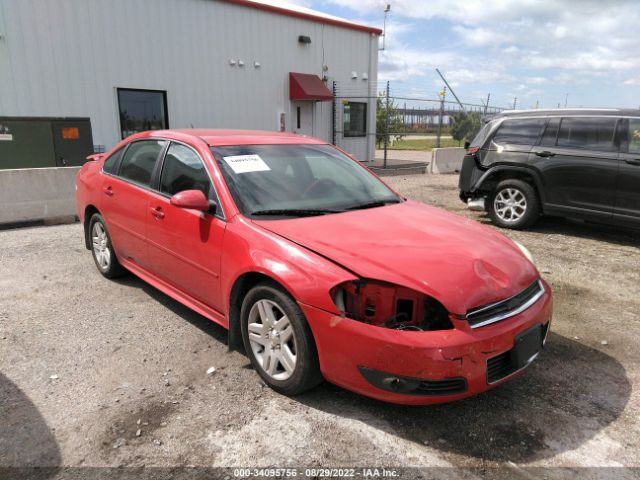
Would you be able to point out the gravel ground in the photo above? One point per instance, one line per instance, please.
(101, 373)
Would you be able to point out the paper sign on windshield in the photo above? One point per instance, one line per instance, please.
(246, 163)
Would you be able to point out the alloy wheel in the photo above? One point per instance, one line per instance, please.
(510, 205)
(100, 242)
(272, 340)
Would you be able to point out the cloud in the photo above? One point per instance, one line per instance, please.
(567, 35)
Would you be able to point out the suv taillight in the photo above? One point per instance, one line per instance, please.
(473, 150)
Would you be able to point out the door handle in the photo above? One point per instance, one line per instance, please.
(632, 161)
(157, 212)
(545, 153)
(108, 191)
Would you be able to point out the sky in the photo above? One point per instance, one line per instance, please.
(582, 52)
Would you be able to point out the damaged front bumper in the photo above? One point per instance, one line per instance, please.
(410, 367)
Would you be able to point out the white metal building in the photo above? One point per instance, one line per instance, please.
(132, 65)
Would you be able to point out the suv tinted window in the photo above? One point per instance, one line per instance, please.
(633, 135)
(588, 133)
(519, 131)
(140, 159)
(550, 133)
(481, 136)
(111, 164)
(183, 170)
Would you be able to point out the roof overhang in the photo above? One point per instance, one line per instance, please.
(304, 13)
(306, 86)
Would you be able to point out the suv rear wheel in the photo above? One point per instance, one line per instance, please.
(513, 204)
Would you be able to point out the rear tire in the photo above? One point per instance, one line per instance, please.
(513, 204)
(278, 340)
(102, 250)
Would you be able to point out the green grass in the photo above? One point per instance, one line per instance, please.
(426, 144)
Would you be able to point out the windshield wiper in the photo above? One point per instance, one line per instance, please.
(374, 204)
(294, 212)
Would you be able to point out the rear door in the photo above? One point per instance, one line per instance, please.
(627, 204)
(185, 246)
(578, 161)
(125, 199)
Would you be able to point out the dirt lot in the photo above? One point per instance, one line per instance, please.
(85, 363)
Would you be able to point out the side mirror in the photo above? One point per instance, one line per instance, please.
(192, 199)
(467, 144)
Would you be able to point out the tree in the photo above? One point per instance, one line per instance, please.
(465, 126)
(396, 123)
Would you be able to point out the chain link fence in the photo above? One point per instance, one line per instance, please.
(393, 115)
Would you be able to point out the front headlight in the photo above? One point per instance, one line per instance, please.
(525, 251)
(390, 306)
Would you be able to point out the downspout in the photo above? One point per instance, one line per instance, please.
(372, 101)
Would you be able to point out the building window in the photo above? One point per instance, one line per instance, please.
(355, 119)
(142, 110)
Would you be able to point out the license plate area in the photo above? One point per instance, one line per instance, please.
(526, 347)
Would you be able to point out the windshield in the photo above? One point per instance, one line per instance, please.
(298, 180)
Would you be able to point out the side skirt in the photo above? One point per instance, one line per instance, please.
(176, 294)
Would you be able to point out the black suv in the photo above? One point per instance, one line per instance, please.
(570, 163)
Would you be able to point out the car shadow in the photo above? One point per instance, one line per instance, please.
(26, 441)
(571, 393)
(565, 398)
(207, 326)
(578, 228)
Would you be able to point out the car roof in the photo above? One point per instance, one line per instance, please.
(225, 137)
(558, 112)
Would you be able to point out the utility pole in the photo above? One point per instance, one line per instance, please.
(515, 102)
(566, 100)
(452, 92)
(386, 128)
(486, 105)
(442, 94)
(384, 27)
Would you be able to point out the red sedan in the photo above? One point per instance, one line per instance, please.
(316, 266)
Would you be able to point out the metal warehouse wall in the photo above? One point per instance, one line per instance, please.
(67, 57)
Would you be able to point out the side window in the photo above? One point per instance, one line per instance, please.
(355, 119)
(183, 170)
(633, 135)
(139, 161)
(111, 164)
(550, 133)
(520, 131)
(588, 133)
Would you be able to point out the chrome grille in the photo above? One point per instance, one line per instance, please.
(494, 312)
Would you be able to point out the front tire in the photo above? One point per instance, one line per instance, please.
(102, 249)
(278, 340)
(513, 204)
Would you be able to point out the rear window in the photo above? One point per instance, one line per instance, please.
(481, 136)
(139, 160)
(519, 131)
(111, 164)
(588, 133)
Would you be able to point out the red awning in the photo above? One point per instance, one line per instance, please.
(306, 86)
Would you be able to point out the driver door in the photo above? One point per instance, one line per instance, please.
(185, 246)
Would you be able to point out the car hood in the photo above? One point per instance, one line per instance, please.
(456, 260)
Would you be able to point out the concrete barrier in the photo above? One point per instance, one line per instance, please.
(446, 160)
(37, 194)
